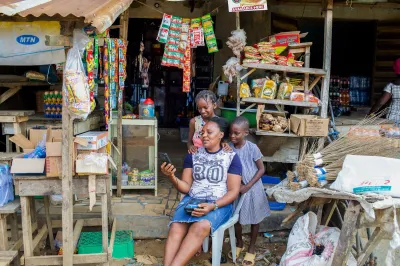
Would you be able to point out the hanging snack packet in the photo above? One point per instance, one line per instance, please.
(269, 90)
(164, 28)
(195, 23)
(76, 87)
(184, 38)
(209, 33)
(244, 90)
(285, 90)
(187, 62)
(90, 72)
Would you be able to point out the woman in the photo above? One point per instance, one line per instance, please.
(212, 175)
(391, 91)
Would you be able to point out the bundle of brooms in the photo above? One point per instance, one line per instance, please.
(320, 166)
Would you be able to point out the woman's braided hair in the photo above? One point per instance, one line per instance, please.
(207, 96)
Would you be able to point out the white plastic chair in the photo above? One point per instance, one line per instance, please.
(218, 236)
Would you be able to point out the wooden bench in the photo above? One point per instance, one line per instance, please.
(6, 257)
(8, 211)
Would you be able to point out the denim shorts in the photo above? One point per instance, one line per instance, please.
(216, 218)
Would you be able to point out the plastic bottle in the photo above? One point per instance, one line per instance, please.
(146, 108)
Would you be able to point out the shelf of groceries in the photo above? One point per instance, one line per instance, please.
(279, 102)
(290, 69)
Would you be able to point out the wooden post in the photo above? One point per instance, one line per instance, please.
(104, 224)
(347, 234)
(327, 58)
(27, 226)
(67, 206)
(326, 63)
(48, 221)
(238, 76)
(3, 232)
(123, 34)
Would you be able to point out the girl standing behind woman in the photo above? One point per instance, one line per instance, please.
(255, 205)
(206, 103)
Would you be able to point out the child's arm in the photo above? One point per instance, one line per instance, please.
(191, 148)
(257, 176)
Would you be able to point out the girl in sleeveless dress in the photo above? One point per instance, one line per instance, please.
(206, 103)
(255, 205)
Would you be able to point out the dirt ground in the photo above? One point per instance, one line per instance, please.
(155, 250)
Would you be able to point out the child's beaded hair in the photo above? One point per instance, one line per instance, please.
(207, 96)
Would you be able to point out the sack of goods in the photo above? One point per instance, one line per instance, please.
(369, 174)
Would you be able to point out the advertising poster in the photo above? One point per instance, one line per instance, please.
(23, 43)
(247, 5)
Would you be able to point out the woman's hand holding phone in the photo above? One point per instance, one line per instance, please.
(168, 169)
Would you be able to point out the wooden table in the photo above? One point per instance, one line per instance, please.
(350, 223)
(17, 121)
(28, 186)
(7, 254)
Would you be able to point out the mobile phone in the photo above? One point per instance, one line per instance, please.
(193, 204)
(163, 156)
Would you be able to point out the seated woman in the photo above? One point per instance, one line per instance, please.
(211, 175)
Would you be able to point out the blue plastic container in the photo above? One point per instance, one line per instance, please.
(276, 206)
(266, 179)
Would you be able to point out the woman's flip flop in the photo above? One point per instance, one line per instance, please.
(238, 251)
(249, 259)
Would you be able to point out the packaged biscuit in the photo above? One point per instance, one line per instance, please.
(244, 90)
(285, 90)
(250, 49)
(269, 90)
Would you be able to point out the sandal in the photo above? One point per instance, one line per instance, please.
(238, 251)
(249, 259)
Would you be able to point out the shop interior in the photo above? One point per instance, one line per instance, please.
(149, 79)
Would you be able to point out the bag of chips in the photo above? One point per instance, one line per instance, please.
(76, 84)
(211, 40)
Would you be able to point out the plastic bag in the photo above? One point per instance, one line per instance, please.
(232, 68)
(285, 89)
(6, 185)
(305, 237)
(237, 41)
(76, 85)
(269, 90)
(244, 90)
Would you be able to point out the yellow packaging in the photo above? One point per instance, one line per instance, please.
(285, 89)
(257, 92)
(269, 90)
(244, 90)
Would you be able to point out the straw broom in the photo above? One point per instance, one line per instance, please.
(331, 157)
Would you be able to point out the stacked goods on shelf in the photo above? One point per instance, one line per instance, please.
(318, 167)
(52, 104)
(274, 123)
(277, 88)
(91, 153)
(132, 176)
(265, 53)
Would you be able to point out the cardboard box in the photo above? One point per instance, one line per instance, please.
(20, 165)
(92, 169)
(309, 125)
(53, 166)
(36, 135)
(96, 140)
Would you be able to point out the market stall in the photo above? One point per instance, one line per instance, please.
(55, 162)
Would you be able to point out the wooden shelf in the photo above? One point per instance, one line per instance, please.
(276, 134)
(278, 68)
(270, 159)
(26, 83)
(279, 102)
(135, 187)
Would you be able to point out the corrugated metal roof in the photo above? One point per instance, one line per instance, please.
(97, 12)
(78, 8)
